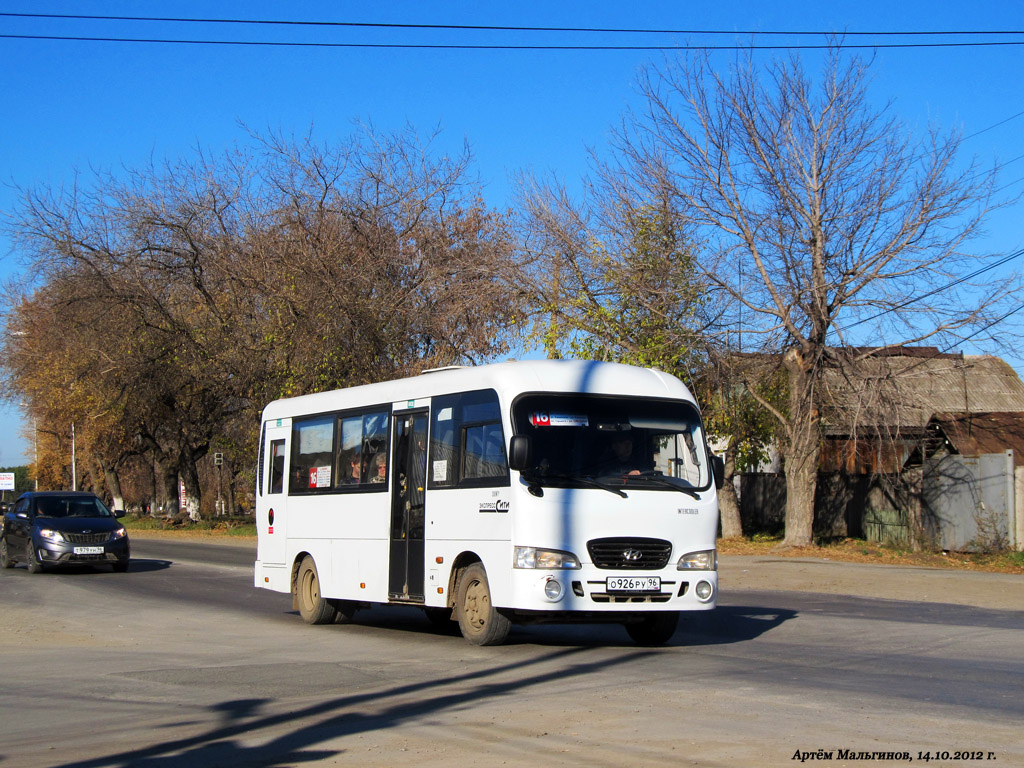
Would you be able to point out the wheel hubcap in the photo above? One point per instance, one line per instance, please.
(477, 605)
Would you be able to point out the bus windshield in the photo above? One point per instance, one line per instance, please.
(614, 442)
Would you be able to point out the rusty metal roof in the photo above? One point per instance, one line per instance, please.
(902, 392)
(973, 434)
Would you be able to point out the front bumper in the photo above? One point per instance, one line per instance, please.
(586, 590)
(57, 554)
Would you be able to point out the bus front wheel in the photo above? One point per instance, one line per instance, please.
(479, 621)
(314, 608)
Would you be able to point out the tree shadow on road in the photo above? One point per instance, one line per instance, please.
(291, 738)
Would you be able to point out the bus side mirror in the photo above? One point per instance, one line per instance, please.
(718, 468)
(520, 452)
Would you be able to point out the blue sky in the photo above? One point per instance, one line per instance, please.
(70, 105)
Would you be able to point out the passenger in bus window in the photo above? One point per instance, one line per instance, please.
(353, 477)
(380, 465)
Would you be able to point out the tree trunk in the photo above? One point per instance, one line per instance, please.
(193, 495)
(113, 481)
(167, 488)
(728, 503)
(801, 452)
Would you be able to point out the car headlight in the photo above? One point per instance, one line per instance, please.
(55, 536)
(120, 533)
(533, 557)
(698, 561)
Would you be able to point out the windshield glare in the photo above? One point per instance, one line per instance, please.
(70, 507)
(618, 440)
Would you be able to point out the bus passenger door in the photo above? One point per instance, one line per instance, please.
(272, 520)
(409, 480)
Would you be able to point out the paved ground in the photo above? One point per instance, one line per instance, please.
(181, 663)
(803, 574)
(810, 574)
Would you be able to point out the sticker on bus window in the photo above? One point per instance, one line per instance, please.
(320, 477)
(441, 471)
(545, 419)
(445, 414)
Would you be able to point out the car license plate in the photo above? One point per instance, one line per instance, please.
(633, 584)
(88, 550)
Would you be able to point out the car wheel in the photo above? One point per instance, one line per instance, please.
(6, 561)
(479, 621)
(313, 607)
(31, 559)
(656, 629)
(120, 566)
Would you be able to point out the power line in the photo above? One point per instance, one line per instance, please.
(996, 125)
(984, 328)
(491, 47)
(946, 287)
(495, 28)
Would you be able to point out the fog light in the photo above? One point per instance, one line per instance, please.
(553, 590)
(704, 591)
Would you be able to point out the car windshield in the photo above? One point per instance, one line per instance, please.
(619, 442)
(70, 506)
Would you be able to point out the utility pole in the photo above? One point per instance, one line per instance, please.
(74, 471)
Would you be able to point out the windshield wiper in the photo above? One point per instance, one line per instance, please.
(535, 479)
(660, 479)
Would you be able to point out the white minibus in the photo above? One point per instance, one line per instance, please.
(517, 492)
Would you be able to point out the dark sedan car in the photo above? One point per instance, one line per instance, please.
(57, 528)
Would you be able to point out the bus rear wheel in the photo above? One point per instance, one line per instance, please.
(656, 629)
(479, 621)
(313, 607)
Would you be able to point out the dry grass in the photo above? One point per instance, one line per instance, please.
(858, 551)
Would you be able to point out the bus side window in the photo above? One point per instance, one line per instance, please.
(484, 452)
(261, 469)
(277, 466)
(467, 444)
(362, 450)
(312, 454)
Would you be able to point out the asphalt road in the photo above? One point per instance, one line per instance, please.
(181, 662)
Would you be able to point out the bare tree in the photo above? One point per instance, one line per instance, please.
(187, 296)
(815, 212)
(612, 276)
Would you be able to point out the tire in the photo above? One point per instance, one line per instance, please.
(313, 608)
(31, 560)
(479, 621)
(6, 561)
(121, 566)
(656, 629)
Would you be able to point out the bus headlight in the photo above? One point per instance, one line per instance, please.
(698, 561)
(533, 557)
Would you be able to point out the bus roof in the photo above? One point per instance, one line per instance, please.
(508, 379)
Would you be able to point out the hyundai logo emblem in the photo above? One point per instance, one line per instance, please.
(631, 555)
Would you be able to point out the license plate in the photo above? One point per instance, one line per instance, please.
(633, 584)
(88, 550)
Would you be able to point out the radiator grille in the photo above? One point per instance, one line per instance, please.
(633, 554)
(87, 538)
